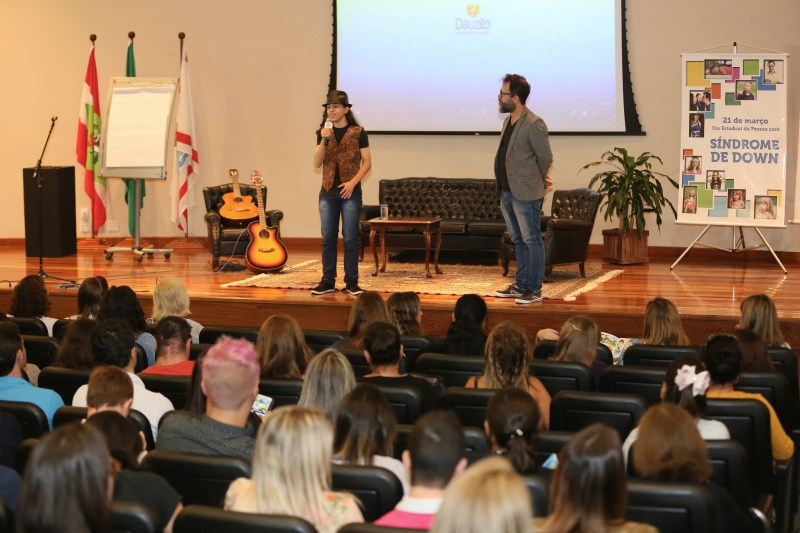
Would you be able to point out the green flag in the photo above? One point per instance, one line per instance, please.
(130, 185)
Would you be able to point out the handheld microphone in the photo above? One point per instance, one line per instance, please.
(328, 125)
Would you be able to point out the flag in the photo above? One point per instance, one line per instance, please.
(185, 158)
(88, 145)
(130, 184)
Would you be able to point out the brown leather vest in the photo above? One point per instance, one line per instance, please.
(347, 156)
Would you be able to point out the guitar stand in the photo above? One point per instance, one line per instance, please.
(137, 247)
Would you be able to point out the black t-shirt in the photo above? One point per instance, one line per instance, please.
(502, 150)
(149, 490)
(363, 142)
(429, 395)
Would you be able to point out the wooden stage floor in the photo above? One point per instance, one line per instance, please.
(707, 293)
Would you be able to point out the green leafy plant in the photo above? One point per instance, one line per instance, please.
(631, 189)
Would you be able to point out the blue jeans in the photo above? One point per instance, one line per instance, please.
(331, 206)
(523, 219)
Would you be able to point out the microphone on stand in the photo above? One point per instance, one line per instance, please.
(329, 126)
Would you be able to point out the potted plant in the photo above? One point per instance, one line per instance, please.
(631, 190)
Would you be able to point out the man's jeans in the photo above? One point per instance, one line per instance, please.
(331, 206)
(523, 219)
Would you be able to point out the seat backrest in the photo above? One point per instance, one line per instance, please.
(774, 387)
(550, 442)
(372, 528)
(468, 404)
(30, 326)
(748, 423)
(786, 363)
(475, 440)
(378, 489)
(130, 517)
(282, 391)
(318, 340)
(60, 327)
(562, 375)
(654, 355)
(575, 204)
(200, 479)
(196, 349)
(413, 346)
(731, 467)
(175, 388)
(141, 358)
(210, 334)
(406, 402)
(68, 414)
(24, 451)
(41, 351)
(455, 370)
(6, 517)
(30, 417)
(643, 381)
(573, 411)
(671, 506)
(63, 381)
(539, 489)
(546, 349)
(203, 519)
(357, 360)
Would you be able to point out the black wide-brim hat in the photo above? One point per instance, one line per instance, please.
(338, 97)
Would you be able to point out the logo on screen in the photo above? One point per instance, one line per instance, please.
(473, 10)
(472, 25)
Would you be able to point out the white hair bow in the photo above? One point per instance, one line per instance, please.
(686, 376)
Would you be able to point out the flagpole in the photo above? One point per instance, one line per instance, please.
(181, 36)
(92, 38)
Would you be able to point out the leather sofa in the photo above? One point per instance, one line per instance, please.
(228, 241)
(469, 209)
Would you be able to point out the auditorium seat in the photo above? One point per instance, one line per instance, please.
(141, 358)
(366, 527)
(455, 370)
(550, 442)
(357, 360)
(642, 381)
(200, 479)
(196, 349)
(671, 507)
(130, 517)
(562, 375)
(573, 411)
(475, 440)
(731, 467)
(774, 387)
(377, 489)
(210, 334)
(407, 402)
(41, 351)
(68, 414)
(545, 349)
(175, 388)
(24, 451)
(30, 326)
(655, 355)
(204, 519)
(282, 391)
(64, 381)
(31, 418)
(413, 346)
(60, 328)
(319, 340)
(539, 489)
(468, 404)
(786, 363)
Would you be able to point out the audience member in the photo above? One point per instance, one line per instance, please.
(171, 299)
(121, 303)
(662, 327)
(383, 351)
(369, 307)
(507, 366)
(760, 316)
(589, 489)
(434, 455)
(723, 360)
(577, 343)
(405, 312)
(110, 389)
(671, 449)
(10, 484)
(131, 484)
(75, 349)
(67, 484)
(755, 354)
(489, 497)
(292, 472)
(465, 334)
(230, 384)
(113, 345)
(512, 427)
(13, 387)
(173, 345)
(365, 431)
(90, 295)
(29, 300)
(281, 348)
(329, 377)
(685, 385)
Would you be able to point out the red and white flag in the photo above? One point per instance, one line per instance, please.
(88, 145)
(185, 166)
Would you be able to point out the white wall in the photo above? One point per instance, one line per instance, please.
(260, 74)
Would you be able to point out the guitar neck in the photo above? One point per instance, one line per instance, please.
(237, 191)
(262, 216)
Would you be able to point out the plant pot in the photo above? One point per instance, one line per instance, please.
(624, 247)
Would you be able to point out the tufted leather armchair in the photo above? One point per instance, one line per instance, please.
(566, 231)
(230, 241)
(469, 209)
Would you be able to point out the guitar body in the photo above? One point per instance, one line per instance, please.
(237, 212)
(265, 252)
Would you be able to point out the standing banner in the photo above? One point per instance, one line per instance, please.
(733, 140)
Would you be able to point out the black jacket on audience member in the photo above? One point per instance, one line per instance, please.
(463, 338)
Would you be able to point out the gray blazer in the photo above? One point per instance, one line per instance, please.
(528, 158)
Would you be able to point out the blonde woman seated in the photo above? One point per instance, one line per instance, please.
(760, 316)
(369, 307)
(329, 377)
(489, 497)
(506, 365)
(291, 473)
(171, 299)
(577, 343)
(281, 348)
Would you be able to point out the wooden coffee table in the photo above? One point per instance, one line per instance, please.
(426, 225)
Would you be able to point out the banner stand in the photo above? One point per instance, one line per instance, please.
(737, 245)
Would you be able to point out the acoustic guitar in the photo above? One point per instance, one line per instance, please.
(237, 211)
(265, 251)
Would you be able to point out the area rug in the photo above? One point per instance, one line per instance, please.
(564, 283)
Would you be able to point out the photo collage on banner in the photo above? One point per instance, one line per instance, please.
(733, 140)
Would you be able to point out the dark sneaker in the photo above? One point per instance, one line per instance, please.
(353, 288)
(512, 291)
(324, 287)
(529, 297)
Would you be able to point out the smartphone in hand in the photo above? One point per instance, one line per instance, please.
(261, 405)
